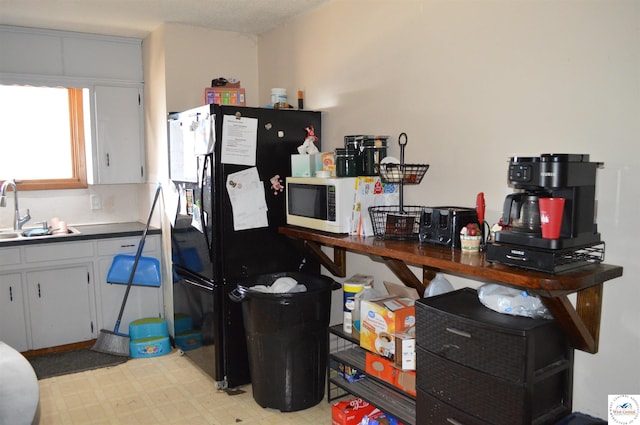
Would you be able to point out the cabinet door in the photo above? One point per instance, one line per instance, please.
(13, 329)
(119, 145)
(143, 301)
(60, 306)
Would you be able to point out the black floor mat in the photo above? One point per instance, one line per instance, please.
(71, 362)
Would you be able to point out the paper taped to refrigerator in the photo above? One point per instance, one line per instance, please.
(239, 140)
(182, 167)
(204, 134)
(248, 201)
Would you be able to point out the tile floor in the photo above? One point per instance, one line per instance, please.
(168, 390)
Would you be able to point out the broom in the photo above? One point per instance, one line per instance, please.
(114, 342)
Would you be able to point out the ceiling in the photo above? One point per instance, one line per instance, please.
(138, 18)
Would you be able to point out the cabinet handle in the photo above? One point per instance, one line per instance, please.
(454, 422)
(39, 293)
(128, 245)
(10, 293)
(459, 332)
(108, 162)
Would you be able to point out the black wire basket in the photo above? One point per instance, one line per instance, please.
(403, 173)
(396, 222)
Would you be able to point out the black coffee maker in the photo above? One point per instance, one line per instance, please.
(568, 176)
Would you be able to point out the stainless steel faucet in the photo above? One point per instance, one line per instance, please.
(17, 220)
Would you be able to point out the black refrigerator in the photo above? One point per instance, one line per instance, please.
(229, 164)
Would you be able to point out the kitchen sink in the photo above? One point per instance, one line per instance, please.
(34, 233)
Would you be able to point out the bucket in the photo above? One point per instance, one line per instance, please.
(287, 339)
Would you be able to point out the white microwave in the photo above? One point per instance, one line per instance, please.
(320, 203)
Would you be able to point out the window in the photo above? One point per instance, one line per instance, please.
(42, 144)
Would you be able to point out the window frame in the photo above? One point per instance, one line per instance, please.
(78, 179)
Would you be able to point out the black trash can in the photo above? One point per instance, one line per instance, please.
(287, 339)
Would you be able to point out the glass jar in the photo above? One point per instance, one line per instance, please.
(345, 163)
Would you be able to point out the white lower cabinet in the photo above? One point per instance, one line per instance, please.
(54, 294)
(13, 327)
(60, 306)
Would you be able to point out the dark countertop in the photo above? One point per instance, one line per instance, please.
(87, 232)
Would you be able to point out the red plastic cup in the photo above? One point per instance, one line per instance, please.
(551, 210)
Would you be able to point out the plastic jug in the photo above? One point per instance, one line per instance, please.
(439, 285)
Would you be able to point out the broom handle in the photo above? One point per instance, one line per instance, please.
(137, 258)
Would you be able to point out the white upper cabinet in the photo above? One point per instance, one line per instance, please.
(103, 58)
(68, 56)
(119, 146)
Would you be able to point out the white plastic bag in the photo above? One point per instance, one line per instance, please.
(281, 285)
(516, 302)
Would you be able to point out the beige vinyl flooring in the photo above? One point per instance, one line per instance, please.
(168, 390)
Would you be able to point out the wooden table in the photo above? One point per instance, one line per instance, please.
(581, 323)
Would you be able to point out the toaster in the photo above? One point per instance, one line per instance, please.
(442, 225)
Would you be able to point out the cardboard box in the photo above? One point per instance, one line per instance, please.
(379, 417)
(406, 381)
(350, 412)
(380, 367)
(405, 355)
(305, 165)
(380, 319)
(401, 290)
(329, 163)
(302, 166)
(225, 96)
(383, 368)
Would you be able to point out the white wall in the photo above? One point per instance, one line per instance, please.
(195, 56)
(119, 205)
(473, 83)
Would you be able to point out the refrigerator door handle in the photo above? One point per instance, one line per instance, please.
(198, 284)
(203, 218)
(194, 279)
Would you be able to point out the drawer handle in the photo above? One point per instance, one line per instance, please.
(516, 257)
(454, 422)
(459, 332)
(128, 245)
